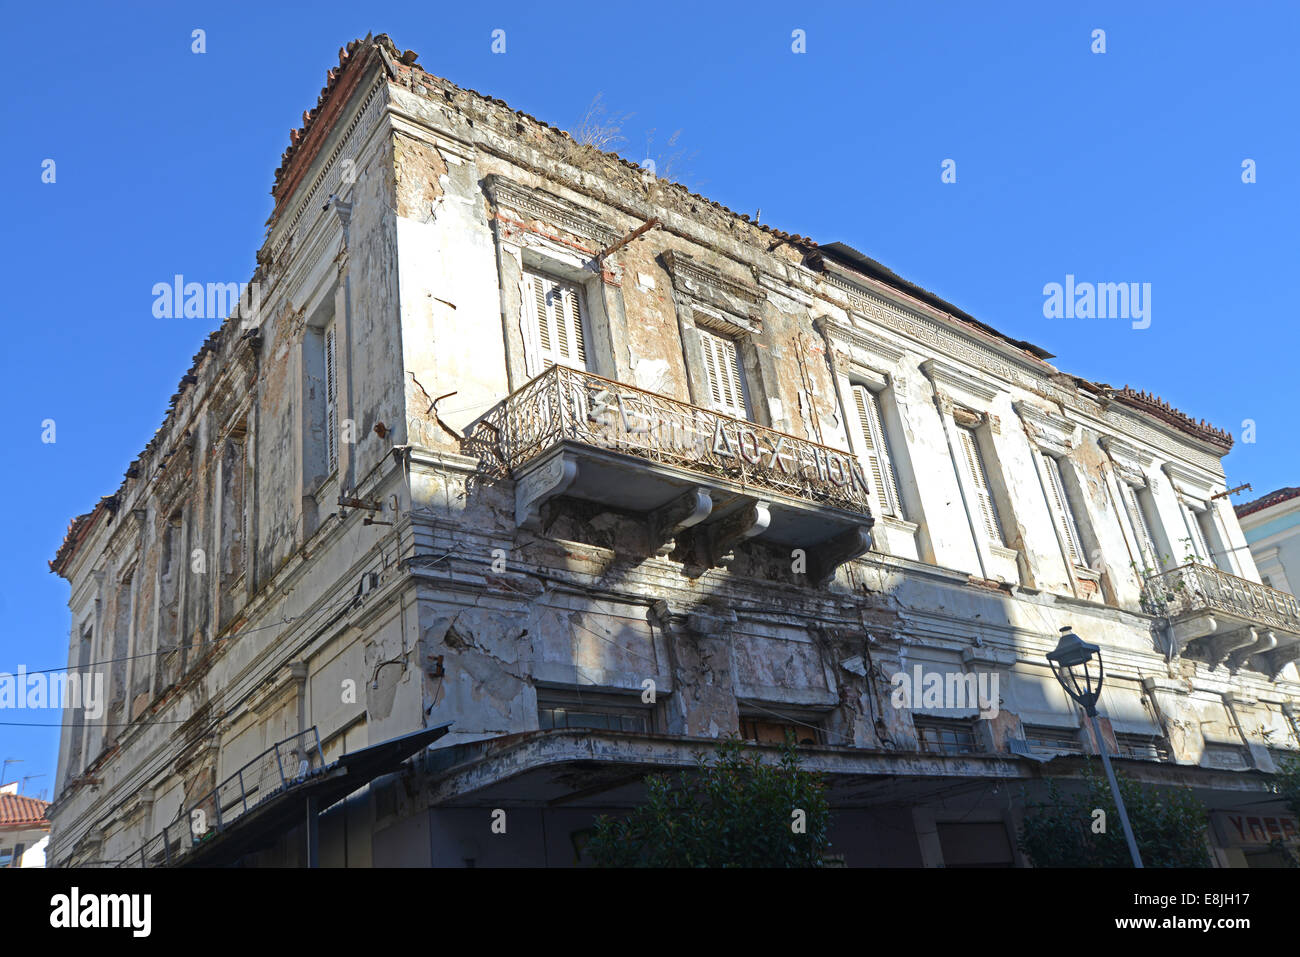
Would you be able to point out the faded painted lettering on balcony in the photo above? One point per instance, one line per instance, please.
(566, 405)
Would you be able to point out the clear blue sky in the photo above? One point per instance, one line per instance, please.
(1115, 167)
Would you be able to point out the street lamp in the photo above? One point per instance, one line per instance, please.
(1069, 663)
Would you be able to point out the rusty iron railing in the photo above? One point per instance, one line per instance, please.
(276, 769)
(565, 404)
(1195, 587)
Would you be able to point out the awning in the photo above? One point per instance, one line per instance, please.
(262, 826)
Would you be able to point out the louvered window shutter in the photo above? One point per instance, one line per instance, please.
(557, 315)
(876, 454)
(1060, 503)
(726, 380)
(331, 401)
(1199, 545)
(1138, 522)
(983, 493)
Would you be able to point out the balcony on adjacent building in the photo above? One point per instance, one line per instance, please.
(1222, 619)
(701, 481)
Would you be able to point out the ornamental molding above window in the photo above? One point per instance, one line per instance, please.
(1190, 482)
(506, 193)
(873, 352)
(1050, 431)
(958, 380)
(1129, 460)
(736, 301)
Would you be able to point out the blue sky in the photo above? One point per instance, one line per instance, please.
(1123, 166)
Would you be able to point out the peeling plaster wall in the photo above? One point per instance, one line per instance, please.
(444, 609)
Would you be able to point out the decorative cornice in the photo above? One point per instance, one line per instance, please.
(550, 208)
(1161, 409)
(954, 379)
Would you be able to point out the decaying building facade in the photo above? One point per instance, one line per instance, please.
(527, 441)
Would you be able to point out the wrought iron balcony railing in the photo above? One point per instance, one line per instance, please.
(565, 405)
(1195, 588)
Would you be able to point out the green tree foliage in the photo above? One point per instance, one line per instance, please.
(733, 810)
(1287, 783)
(1169, 824)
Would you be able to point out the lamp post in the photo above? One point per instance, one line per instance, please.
(1072, 653)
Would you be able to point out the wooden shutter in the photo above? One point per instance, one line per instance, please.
(726, 380)
(1060, 503)
(876, 454)
(1197, 535)
(1138, 524)
(983, 493)
(331, 401)
(557, 316)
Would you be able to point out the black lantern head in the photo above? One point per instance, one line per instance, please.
(1069, 661)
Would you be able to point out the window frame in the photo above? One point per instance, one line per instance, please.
(607, 704)
(538, 286)
(1064, 512)
(714, 348)
(956, 726)
(977, 472)
(869, 423)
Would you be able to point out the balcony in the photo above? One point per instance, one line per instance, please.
(1220, 618)
(702, 482)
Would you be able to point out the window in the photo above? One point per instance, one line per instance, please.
(1226, 756)
(569, 708)
(1201, 532)
(985, 508)
(6, 857)
(1147, 747)
(766, 731)
(726, 379)
(557, 321)
(331, 401)
(945, 736)
(580, 717)
(1137, 526)
(876, 455)
(1063, 510)
(1049, 740)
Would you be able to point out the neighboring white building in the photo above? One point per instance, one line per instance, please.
(539, 474)
(1271, 524)
(24, 829)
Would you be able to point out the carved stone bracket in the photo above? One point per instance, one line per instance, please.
(703, 622)
(1219, 648)
(719, 538)
(1265, 641)
(539, 486)
(669, 521)
(1279, 659)
(831, 554)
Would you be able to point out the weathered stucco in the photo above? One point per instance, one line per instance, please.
(405, 572)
